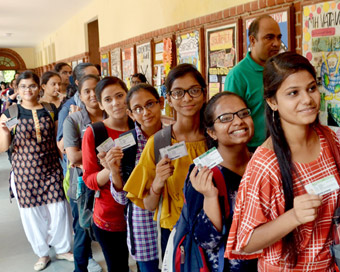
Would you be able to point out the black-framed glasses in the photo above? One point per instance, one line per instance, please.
(139, 109)
(180, 93)
(32, 87)
(228, 117)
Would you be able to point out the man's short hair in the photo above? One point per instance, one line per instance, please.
(255, 25)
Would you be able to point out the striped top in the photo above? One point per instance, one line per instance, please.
(260, 199)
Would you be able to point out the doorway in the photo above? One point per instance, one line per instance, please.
(93, 42)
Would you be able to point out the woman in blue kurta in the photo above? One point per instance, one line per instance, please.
(229, 128)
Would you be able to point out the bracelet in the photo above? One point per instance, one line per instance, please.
(154, 191)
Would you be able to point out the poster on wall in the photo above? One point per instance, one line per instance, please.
(221, 47)
(321, 46)
(282, 17)
(105, 64)
(128, 64)
(144, 65)
(116, 64)
(188, 48)
(74, 64)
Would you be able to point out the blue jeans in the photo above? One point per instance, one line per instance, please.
(149, 266)
(82, 242)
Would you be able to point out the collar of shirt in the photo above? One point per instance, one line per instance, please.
(253, 64)
(139, 133)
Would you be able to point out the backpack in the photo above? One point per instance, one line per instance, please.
(187, 254)
(162, 138)
(14, 113)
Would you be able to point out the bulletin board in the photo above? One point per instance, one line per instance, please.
(222, 54)
(321, 46)
(284, 17)
(105, 64)
(116, 63)
(128, 63)
(163, 61)
(144, 60)
(188, 48)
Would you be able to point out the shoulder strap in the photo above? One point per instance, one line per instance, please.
(129, 159)
(162, 139)
(222, 188)
(49, 109)
(99, 133)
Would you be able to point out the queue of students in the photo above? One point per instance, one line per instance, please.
(268, 221)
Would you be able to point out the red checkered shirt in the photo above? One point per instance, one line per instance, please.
(260, 199)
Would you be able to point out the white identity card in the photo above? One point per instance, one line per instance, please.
(11, 122)
(322, 186)
(125, 141)
(175, 151)
(106, 145)
(210, 159)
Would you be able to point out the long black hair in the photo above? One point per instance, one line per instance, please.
(276, 70)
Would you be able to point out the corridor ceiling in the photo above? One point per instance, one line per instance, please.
(25, 23)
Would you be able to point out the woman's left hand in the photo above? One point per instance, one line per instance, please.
(202, 182)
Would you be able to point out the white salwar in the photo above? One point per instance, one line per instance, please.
(46, 225)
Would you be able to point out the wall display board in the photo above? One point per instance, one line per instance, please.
(284, 18)
(74, 64)
(222, 49)
(116, 63)
(188, 47)
(144, 61)
(162, 63)
(104, 59)
(321, 46)
(128, 60)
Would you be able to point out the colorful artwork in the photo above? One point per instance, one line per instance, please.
(105, 64)
(143, 52)
(188, 49)
(116, 63)
(321, 46)
(221, 55)
(128, 64)
(282, 19)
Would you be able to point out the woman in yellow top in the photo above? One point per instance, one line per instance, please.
(186, 93)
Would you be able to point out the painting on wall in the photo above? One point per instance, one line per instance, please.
(105, 64)
(321, 46)
(221, 55)
(144, 63)
(128, 60)
(188, 48)
(116, 63)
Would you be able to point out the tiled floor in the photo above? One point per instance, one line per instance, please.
(16, 254)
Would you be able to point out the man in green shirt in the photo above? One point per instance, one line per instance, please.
(246, 78)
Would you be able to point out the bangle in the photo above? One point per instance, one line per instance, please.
(154, 191)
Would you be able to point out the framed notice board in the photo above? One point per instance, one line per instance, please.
(222, 54)
(284, 17)
(144, 60)
(105, 63)
(189, 48)
(116, 63)
(128, 63)
(321, 46)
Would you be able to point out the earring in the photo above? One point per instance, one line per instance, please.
(273, 115)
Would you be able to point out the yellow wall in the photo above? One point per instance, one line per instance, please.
(120, 20)
(28, 55)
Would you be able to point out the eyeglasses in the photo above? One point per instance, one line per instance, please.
(180, 93)
(228, 117)
(139, 110)
(32, 87)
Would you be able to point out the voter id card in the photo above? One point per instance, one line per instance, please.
(210, 159)
(174, 151)
(11, 122)
(322, 186)
(106, 145)
(125, 141)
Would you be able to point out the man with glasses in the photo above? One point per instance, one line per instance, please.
(246, 78)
